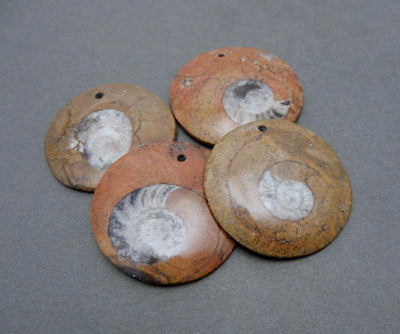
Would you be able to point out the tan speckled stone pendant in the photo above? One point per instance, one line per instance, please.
(221, 89)
(277, 188)
(99, 126)
(150, 217)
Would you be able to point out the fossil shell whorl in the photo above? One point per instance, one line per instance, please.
(248, 100)
(285, 199)
(102, 137)
(142, 229)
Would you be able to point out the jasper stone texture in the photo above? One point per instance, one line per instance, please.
(221, 89)
(277, 188)
(99, 126)
(150, 217)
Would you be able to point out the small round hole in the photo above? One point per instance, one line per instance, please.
(181, 157)
(262, 128)
(99, 95)
(221, 55)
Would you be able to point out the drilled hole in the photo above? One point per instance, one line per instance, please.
(221, 55)
(262, 128)
(181, 157)
(99, 95)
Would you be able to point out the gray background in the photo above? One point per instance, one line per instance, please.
(54, 279)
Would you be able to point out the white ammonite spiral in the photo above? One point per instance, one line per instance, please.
(248, 100)
(102, 137)
(142, 229)
(286, 200)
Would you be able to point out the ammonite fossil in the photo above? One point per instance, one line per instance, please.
(277, 188)
(143, 229)
(285, 199)
(99, 126)
(221, 89)
(150, 217)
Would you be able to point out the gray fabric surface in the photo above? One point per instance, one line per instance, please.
(54, 278)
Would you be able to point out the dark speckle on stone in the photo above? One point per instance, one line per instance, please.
(134, 195)
(242, 91)
(276, 114)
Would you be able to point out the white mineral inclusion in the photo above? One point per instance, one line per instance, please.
(142, 229)
(267, 56)
(248, 100)
(286, 200)
(102, 137)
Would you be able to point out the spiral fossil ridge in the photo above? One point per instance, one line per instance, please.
(285, 199)
(248, 100)
(102, 137)
(142, 229)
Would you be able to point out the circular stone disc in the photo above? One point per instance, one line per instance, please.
(150, 217)
(221, 89)
(277, 188)
(99, 126)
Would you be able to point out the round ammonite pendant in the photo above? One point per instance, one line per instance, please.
(277, 188)
(99, 126)
(150, 217)
(221, 89)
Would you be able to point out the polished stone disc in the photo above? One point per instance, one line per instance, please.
(221, 89)
(277, 188)
(150, 217)
(99, 126)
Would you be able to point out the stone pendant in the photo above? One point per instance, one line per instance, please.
(150, 217)
(221, 89)
(99, 126)
(277, 188)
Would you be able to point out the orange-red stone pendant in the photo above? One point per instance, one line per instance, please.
(99, 126)
(277, 188)
(151, 220)
(221, 89)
